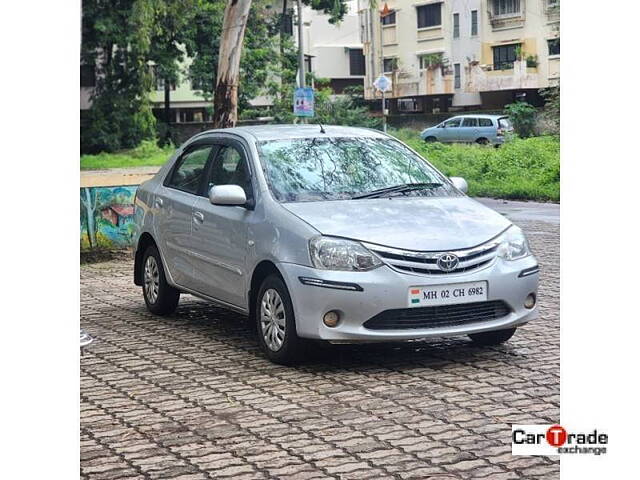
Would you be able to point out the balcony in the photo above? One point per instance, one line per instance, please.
(483, 78)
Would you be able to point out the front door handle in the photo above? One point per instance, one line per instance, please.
(159, 202)
(198, 217)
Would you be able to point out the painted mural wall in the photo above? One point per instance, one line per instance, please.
(107, 217)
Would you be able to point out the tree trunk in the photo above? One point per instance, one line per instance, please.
(167, 111)
(225, 99)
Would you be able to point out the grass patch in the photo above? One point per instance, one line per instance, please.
(148, 154)
(521, 169)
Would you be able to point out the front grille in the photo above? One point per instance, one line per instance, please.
(439, 316)
(426, 263)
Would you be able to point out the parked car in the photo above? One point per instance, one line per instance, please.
(482, 129)
(329, 233)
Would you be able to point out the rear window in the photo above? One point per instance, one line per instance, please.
(504, 122)
(485, 122)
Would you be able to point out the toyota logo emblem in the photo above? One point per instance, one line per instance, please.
(448, 262)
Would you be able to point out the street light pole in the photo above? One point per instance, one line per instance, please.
(382, 14)
(301, 78)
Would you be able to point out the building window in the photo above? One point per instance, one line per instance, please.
(356, 61)
(431, 60)
(506, 7)
(504, 56)
(87, 76)
(307, 64)
(389, 64)
(389, 19)
(287, 23)
(474, 23)
(409, 105)
(554, 46)
(456, 75)
(429, 15)
(456, 25)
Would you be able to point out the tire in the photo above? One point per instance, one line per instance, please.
(494, 337)
(482, 141)
(276, 323)
(160, 297)
(430, 139)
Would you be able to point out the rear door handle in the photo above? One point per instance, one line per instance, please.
(159, 202)
(198, 217)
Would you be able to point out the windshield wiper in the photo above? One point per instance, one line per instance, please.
(407, 187)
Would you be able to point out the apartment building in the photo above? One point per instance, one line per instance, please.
(332, 51)
(461, 54)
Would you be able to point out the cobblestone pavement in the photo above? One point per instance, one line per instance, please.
(190, 396)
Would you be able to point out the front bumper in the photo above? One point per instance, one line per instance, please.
(385, 289)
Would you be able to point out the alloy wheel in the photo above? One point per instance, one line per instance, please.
(272, 319)
(151, 279)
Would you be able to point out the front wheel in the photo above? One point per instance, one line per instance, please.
(276, 323)
(160, 297)
(494, 337)
(430, 139)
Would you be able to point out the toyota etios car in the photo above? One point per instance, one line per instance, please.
(329, 233)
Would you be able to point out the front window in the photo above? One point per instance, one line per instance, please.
(389, 64)
(504, 56)
(452, 123)
(356, 62)
(506, 7)
(554, 46)
(335, 168)
(389, 18)
(429, 15)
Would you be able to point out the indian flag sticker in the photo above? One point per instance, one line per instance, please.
(414, 295)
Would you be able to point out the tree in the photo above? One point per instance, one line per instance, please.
(116, 38)
(225, 100)
(523, 117)
(228, 71)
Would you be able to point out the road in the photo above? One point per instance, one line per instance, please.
(191, 397)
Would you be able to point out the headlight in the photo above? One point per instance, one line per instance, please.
(513, 244)
(337, 254)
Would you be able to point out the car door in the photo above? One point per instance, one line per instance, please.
(173, 202)
(469, 131)
(219, 232)
(450, 130)
(486, 128)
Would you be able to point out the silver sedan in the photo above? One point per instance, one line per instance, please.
(329, 233)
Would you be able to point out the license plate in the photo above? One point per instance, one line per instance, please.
(447, 294)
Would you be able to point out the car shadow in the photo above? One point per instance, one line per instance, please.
(238, 332)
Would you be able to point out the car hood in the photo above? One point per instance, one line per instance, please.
(414, 223)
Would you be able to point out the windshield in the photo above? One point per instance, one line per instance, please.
(332, 168)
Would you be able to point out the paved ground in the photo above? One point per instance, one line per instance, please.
(191, 397)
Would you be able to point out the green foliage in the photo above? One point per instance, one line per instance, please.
(525, 169)
(523, 117)
(148, 153)
(117, 39)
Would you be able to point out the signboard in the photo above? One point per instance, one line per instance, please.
(303, 102)
(382, 83)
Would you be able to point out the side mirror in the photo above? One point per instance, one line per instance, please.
(460, 183)
(227, 195)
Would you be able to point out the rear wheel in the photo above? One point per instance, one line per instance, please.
(160, 297)
(275, 322)
(482, 141)
(430, 139)
(494, 337)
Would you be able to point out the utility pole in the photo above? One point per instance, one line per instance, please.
(301, 78)
(383, 13)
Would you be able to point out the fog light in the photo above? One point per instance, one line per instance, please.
(530, 301)
(331, 318)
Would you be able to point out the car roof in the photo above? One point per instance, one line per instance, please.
(277, 132)
(480, 115)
